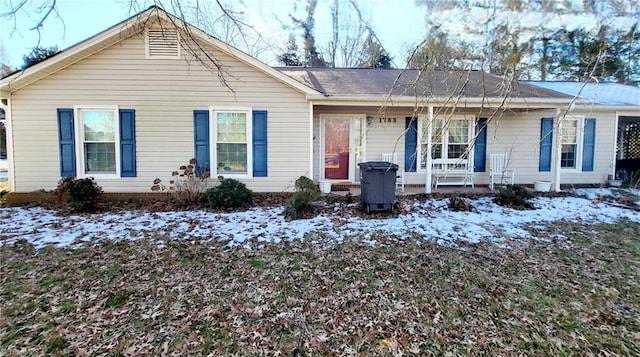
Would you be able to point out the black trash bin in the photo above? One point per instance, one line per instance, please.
(377, 185)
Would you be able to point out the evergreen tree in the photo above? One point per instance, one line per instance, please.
(38, 54)
(291, 56)
(374, 55)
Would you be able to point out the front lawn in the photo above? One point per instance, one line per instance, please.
(573, 290)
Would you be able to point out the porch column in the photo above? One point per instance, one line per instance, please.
(5, 104)
(427, 186)
(557, 152)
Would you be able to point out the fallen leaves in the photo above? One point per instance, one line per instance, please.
(322, 297)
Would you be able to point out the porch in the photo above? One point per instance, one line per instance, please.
(410, 190)
(628, 147)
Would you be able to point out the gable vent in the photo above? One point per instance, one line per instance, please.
(163, 44)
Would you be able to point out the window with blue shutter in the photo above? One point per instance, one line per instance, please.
(588, 149)
(127, 143)
(66, 137)
(259, 143)
(480, 147)
(201, 140)
(546, 139)
(410, 144)
(94, 141)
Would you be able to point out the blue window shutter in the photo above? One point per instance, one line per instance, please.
(589, 144)
(410, 144)
(66, 137)
(480, 147)
(201, 140)
(546, 139)
(127, 143)
(259, 143)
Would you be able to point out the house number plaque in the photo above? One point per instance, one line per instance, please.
(387, 120)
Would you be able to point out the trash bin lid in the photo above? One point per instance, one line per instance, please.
(378, 165)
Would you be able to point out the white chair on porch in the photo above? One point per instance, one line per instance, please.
(393, 157)
(498, 173)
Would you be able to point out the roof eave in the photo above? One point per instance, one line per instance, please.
(251, 61)
(40, 70)
(596, 106)
(462, 102)
(124, 30)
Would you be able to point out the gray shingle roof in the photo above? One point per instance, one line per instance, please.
(412, 83)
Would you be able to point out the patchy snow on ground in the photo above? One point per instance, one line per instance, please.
(428, 219)
(608, 193)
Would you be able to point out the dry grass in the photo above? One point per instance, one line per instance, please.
(578, 295)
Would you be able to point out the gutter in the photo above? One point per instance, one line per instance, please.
(394, 101)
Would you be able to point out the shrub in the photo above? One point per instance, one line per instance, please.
(299, 205)
(629, 178)
(77, 195)
(230, 194)
(187, 184)
(459, 204)
(514, 196)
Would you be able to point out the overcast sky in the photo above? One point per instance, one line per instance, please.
(399, 24)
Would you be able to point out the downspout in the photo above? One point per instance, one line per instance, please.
(427, 186)
(311, 140)
(617, 136)
(557, 153)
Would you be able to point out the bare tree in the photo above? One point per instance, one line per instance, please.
(345, 49)
(5, 69)
(312, 56)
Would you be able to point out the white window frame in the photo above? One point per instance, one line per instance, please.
(422, 121)
(213, 150)
(79, 139)
(580, 120)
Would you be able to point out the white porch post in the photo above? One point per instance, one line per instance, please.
(427, 186)
(557, 152)
(5, 97)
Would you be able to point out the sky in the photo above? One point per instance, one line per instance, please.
(399, 24)
(429, 219)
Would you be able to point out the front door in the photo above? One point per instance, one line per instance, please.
(342, 147)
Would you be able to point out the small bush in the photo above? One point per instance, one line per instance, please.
(459, 204)
(629, 178)
(77, 195)
(514, 196)
(230, 194)
(187, 184)
(299, 205)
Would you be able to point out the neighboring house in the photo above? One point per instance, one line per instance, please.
(133, 103)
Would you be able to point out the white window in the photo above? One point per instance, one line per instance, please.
(450, 138)
(97, 135)
(162, 43)
(232, 150)
(571, 132)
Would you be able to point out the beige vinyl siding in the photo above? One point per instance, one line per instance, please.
(517, 134)
(164, 93)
